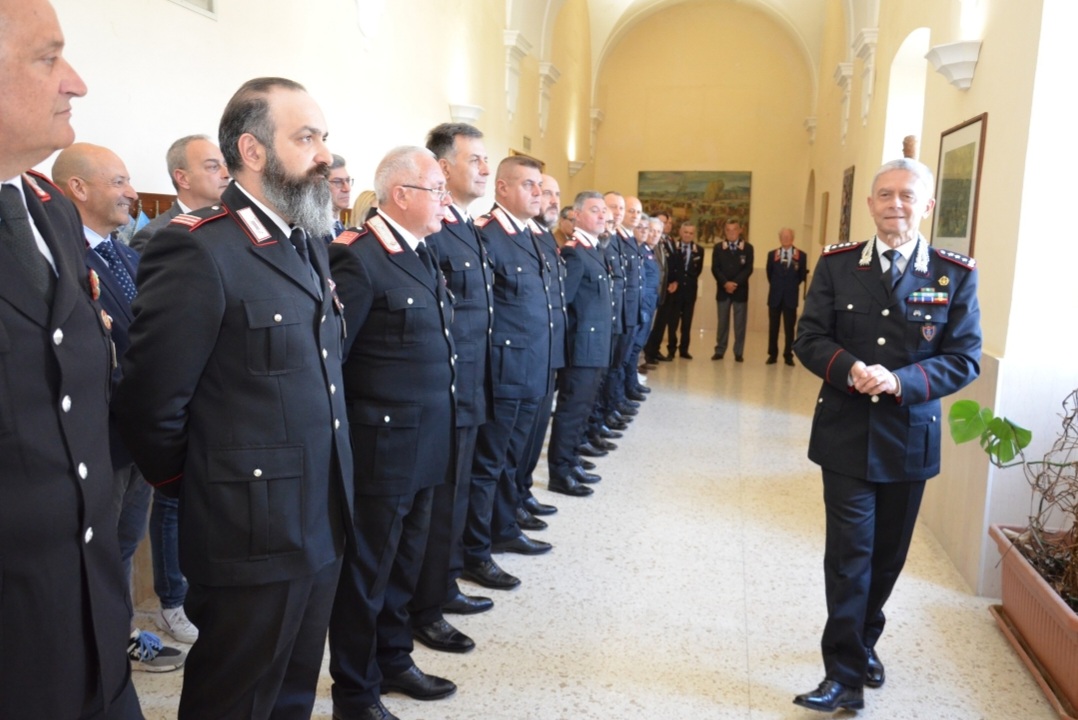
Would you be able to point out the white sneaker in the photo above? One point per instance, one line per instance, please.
(174, 621)
(642, 379)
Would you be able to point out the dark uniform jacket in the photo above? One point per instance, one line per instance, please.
(399, 368)
(732, 263)
(631, 261)
(687, 276)
(651, 287)
(615, 269)
(555, 291)
(468, 276)
(521, 341)
(784, 280)
(231, 397)
(64, 604)
(587, 298)
(927, 332)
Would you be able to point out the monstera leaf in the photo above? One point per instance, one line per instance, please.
(999, 437)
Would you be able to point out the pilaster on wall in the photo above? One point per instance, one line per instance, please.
(843, 75)
(597, 118)
(516, 48)
(548, 75)
(864, 47)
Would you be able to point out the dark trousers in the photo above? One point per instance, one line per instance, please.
(658, 329)
(788, 317)
(444, 559)
(259, 649)
(535, 442)
(370, 633)
(613, 390)
(577, 390)
(499, 451)
(680, 315)
(869, 528)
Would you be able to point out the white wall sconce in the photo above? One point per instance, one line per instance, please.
(465, 113)
(575, 166)
(956, 61)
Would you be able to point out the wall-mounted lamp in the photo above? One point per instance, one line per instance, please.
(465, 113)
(575, 166)
(956, 61)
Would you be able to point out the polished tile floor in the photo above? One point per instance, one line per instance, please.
(690, 586)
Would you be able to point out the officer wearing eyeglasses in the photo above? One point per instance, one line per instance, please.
(340, 188)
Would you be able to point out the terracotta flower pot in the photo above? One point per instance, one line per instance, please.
(1042, 628)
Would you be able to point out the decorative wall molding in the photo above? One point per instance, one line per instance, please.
(864, 46)
(810, 127)
(548, 75)
(843, 75)
(516, 48)
(597, 118)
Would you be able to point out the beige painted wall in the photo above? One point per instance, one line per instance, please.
(710, 86)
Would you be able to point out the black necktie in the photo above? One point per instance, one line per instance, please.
(298, 238)
(18, 236)
(107, 250)
(338, 228)
(424, 257)
(892, 276)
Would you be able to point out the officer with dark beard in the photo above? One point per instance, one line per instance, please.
(232, 401)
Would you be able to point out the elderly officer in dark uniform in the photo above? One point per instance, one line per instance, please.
(787, 268)
(684, 265)
(891, 325)
(65, 609)
(587, 299)
(231, 400)
(731, 265)
(520, 368)
(463, 260)
(399, 384)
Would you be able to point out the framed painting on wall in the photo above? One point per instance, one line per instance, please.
(958, 185)
(705, 197)
(847, 205)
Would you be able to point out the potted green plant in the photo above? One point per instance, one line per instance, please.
(1040, 560)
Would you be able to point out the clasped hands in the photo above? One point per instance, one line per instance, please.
(874, 379)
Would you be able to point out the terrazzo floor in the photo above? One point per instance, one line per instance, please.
(690, 586)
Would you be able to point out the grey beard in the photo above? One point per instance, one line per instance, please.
(306, 200)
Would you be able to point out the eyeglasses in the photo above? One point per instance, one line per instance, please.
(438, 193)
(342, 183)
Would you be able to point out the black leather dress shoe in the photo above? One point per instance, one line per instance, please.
(790, 362)
(586, 464)
(589, 450)
(527, 521)
(581, 475)
(874, 673)
(717, 356)
(532, 505)
(568, 486)
(626, 409)
(463, 604)
(636, 396)
(665, 358)
(615, 423)
(629, 403)
(607, 434)
(685, 355)
(417, 685)
(601, 443)
(489, 575)
(521, 545)
(831, 696)
(440, 635)
(644, 389)
(771, 361)
(377, 711)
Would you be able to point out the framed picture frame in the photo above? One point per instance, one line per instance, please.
(707, 198)
(958, 185)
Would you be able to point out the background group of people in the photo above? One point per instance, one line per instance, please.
(341, 423)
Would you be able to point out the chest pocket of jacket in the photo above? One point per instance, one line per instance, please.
(7, 424)
(275, 337)
(851, 314)
(463, 276)
(509, 281)
(403, 320)
(925, 325)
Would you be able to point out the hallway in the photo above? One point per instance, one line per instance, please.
(690, 586)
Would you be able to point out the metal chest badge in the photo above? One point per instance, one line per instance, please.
(928, 332)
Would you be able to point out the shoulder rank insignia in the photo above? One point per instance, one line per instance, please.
(840, 247)
(346, 238)
(482, 221)
(255, 228)
(385, 236)
(957, 258)
(196, 218)
(534, 227)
